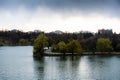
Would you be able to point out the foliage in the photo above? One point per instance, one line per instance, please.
(39, 44)
(54, 48)
(62, 47)
(104, 45)
(1, 43)
(74, 47)
(23, 42)
(118, 47)
(89, 44)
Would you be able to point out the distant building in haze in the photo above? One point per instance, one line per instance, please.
(57, 32)
(105, 31)
(38, 31)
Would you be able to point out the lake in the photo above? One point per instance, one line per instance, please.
(17, 63)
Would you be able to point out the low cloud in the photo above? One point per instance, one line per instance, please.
(110, 7)
(105, 7)
(65, 15)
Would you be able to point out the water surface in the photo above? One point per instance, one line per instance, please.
(17, 63)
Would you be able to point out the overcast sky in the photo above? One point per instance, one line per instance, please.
(65, 15)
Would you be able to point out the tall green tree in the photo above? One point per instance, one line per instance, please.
(104, 45)
(74, 47)
(39, 44)
(62, 47)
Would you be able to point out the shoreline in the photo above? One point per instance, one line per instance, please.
(85, 53)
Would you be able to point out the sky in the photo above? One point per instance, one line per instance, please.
(64, 15)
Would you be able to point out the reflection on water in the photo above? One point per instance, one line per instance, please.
(52, 68)
(82, 68)
(17, 63)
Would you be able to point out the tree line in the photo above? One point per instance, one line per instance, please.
(87, 40)
(17, 37)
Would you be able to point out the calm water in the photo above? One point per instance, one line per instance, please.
(17, 63)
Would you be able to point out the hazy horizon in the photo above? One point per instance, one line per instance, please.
(64, 15)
